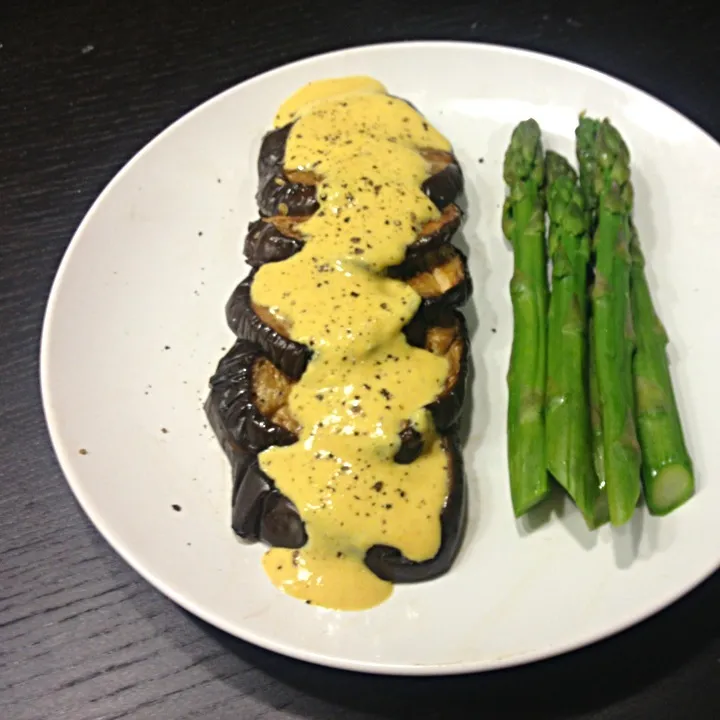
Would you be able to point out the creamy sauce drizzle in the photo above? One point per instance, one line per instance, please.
(364, 380)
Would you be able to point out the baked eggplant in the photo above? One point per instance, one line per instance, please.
(247, 406)
(411, 444)
(440, 276)
(388, 563)
(249, 402)
(262, 513)
(444, 333)
(446, 182)
(434, 235)
(256, 324)
(277, 238)
(272, 240)
(282, 192)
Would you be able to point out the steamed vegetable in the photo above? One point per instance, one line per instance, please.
(568, 434)
(605, 173)
(668, 477)
(524, 227)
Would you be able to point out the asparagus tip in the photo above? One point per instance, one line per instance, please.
(524, 156)
(556, 166)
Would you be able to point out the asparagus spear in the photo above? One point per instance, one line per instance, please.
(601, 514)
(667, 468)
(524, 227)
(567, 421)
(605, 177)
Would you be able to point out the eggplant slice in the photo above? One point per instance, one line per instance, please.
(262, 513)
(444, 333)
(248, 402)
(388, 563)
(282, 192)
(277, 238)
(256, 324)
(433, 236)
(272, 240)
(247, 405)
(439, 276)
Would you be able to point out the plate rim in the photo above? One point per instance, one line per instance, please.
(177, 596)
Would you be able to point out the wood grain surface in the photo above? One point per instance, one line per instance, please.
(84, 84)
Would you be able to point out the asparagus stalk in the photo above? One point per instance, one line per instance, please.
(605, 177)
(601, 514)
(567, 421)
(667, 469)
(524, 227)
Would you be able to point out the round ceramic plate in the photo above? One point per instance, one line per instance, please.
(135, 325)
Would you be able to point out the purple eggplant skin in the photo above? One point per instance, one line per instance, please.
(272, 152)
(231, 411)
(265, 242)
(411, 445)
(444, 186)
(431, 240)
(262, 513)
(287, 355)
(279, 195)
(446, 409)
(388, 563)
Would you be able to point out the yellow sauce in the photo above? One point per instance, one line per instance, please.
(364, 380)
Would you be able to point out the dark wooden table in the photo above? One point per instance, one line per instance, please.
(84, 84)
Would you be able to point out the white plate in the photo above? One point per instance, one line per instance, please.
(135, 325)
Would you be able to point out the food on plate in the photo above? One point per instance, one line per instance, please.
(257, 323)
(286, 191)
(605, 172)
(596, 436)
(567, 421)
(612, 425)
(667, 470)
(249, 396)
(338, 404)
(271, 239)
(524, 227)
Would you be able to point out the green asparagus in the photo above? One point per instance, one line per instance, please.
(605, 178)
(667, 469)
(567, 421)
(524, 227)
(601, 515)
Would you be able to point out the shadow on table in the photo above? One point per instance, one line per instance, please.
(578, 682)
